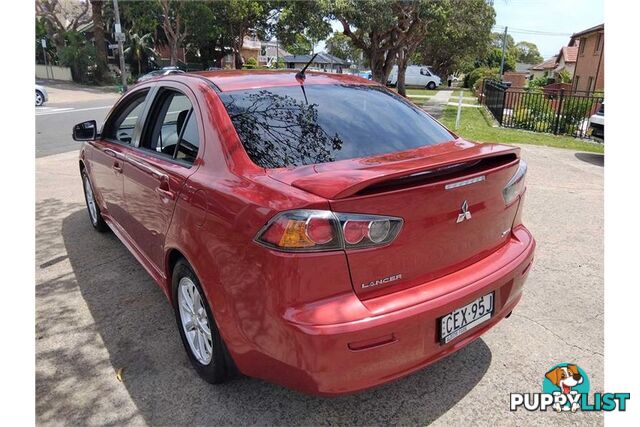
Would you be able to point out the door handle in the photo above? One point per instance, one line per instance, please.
(117, 167)
(164, 191)
(110, 152)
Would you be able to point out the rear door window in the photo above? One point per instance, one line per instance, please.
(172, 130)
(301, 125)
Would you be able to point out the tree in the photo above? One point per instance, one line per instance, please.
(341, 46)
(173, 24)
(61, 17)
(528, 53)
(494, 58)
(99, 40)
(239, 16)
(301, 45)
(78, 55)
(139, 48)
(458, 37)
(387, 32)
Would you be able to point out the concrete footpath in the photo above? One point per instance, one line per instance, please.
(437, 103)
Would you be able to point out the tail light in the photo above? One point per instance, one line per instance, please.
(515, 186)
(307, 230)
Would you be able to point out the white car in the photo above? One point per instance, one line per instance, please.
(416, 75)
(41, 95)
(596, 125)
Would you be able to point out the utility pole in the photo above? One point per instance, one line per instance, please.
(504, 46)
(120, 38)
(44, 53)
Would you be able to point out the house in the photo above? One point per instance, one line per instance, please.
(544, 69)
(566, 59)
(589, 68)
(270, 52)
(322, 62)
(523, 67)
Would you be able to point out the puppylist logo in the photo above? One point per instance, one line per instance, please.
(565, 387)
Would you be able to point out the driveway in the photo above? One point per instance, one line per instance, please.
(98, 311)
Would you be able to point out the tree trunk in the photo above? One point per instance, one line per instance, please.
(403, 61)
(174, 52)
(98, 34)
(237, 57)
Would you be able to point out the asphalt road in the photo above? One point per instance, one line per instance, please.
(98, 311)
(67, 106)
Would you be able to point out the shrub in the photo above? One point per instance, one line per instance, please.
(538, 82)
(79, 56)
(479, 74)
(250, 64)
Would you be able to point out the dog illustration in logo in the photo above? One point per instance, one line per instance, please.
(565, 378)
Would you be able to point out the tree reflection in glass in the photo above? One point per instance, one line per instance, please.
(280, 130)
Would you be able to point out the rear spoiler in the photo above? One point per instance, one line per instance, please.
(338, 183)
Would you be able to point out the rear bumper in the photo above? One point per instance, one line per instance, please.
(384, 338)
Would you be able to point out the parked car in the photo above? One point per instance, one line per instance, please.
(596, 124)
(300, 238)
(416, 75)
(166, 71)
(41, 95)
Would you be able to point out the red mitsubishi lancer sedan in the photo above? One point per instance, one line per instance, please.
(314, 230)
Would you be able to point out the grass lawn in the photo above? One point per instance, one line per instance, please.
(476, 127)
(465, 92)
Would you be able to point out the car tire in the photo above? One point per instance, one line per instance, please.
(39, 98)
(95, 216)
(208, 356)
(431, 85)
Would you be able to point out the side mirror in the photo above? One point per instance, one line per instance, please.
(85, 131)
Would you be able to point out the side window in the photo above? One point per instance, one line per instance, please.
(120, 127)
(172, 129)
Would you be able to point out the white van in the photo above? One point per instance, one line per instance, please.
(416, 75)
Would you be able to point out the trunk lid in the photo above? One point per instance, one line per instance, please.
(427, 187)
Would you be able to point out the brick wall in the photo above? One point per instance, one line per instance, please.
(590, 63)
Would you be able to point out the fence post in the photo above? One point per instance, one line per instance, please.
(558, 113)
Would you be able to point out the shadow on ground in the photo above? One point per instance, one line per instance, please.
(138, 329)
(592, 158)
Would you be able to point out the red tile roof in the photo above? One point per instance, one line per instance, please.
(570, 53)
(546, 65)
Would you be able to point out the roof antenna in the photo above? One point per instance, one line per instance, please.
(300, 74)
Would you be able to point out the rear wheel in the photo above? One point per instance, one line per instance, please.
(92, 206)
(198, 330)
(431, 86)
(39, 98)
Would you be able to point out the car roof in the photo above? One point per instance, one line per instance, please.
(230, 80)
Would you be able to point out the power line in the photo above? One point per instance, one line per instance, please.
(531, 32)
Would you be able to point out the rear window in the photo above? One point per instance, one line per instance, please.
(296, 125)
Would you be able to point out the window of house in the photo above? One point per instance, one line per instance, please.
(598, 43)
(172, 129)
(577, 82)
(121, 125)
(582, 46)
(590, 83)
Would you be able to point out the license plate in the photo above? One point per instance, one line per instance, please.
(466, 318)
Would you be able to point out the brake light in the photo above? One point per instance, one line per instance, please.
(515, 186)
(308, 230)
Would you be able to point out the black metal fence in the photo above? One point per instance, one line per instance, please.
(556, 111)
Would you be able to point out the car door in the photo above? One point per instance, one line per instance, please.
(107, 159)
(156, 170)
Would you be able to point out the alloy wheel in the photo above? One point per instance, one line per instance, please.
(195, 321)
(39, 98)
(91, 202)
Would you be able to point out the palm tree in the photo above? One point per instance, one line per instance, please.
(139, 48)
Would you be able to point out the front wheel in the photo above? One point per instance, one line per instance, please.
(92, 205)
(198, 330)
(39, 98)
(431, 86)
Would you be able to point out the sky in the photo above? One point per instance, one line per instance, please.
(557, 19)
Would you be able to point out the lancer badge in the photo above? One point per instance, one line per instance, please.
(464, 214)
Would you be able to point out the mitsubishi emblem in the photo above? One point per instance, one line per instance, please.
(464, 214)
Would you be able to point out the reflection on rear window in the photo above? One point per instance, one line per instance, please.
(295, 125)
